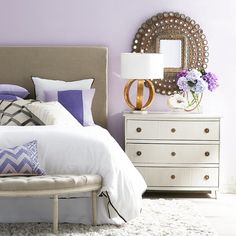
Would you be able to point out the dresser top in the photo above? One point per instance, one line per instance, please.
(170, 115)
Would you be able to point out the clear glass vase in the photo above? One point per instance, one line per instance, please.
(194, 101)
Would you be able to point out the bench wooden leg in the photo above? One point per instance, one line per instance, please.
(94, 207)
(55, 214)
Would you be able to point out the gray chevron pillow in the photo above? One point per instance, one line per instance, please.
(15, 113)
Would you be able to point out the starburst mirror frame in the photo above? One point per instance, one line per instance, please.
(165, 27)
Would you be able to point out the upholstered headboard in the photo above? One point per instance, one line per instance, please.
(18, 64)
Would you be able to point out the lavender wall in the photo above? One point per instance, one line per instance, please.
(113, 23)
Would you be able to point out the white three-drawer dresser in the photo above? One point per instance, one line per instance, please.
(175, 151)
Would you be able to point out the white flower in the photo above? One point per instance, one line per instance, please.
(200, 86)
(177, 101)
(193, 75)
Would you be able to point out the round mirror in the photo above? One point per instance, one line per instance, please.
(180, 39)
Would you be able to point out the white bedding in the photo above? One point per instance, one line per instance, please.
(85, 150)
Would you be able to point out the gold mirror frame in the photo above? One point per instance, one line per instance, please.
(173, 26)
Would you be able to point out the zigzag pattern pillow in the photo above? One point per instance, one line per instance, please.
(15, 113)
(20, 160)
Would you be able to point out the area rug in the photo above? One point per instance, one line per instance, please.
(159, 217)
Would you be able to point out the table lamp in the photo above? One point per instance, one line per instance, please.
(141, 67)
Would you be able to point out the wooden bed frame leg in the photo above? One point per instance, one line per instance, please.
(55, 214)
(94, 207)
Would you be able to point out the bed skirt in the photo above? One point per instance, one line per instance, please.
(74, 210)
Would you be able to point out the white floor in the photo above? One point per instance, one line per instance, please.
(220, 212)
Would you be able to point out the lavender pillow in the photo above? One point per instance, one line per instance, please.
(9, 97)
(15, 90)
(77, 102)
(20, 160)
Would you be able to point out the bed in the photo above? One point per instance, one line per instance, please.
(86, 150)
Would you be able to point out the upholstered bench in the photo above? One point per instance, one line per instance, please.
(50, 185)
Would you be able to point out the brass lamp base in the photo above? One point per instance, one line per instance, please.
(139, 98)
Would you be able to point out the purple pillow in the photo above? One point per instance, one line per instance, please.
(15, 90)
(8, 97)
(20, 160)
(77, 102)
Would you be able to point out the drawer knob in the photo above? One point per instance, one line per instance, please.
(173, 130)
(206, 177)
(139, 153)
(173, 154)
(172, 176)
(138, 129)
(207, 154)
(206, 130)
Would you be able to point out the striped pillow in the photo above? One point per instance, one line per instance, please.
(20, 160)
(15, 113)
(77, 102)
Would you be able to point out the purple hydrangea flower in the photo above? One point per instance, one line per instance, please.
(183, 84)
(196, 81)
(211, 80)
(182, 73)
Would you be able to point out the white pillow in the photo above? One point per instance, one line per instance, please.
(41, 85)
(52, 113)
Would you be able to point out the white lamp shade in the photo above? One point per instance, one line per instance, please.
(142, 66)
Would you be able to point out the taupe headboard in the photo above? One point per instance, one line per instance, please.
(18, 64)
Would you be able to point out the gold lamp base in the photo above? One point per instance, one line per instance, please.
(139, 98)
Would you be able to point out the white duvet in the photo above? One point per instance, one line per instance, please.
(85, 150)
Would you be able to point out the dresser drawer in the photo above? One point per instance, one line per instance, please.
(142, 129)
(180, 177)
(173, 153)
(189, 130)
(172, 130)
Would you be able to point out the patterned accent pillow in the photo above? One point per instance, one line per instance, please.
(77, 102)
(15, 113)
(20, 160)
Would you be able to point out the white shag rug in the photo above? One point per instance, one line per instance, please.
(158, 218)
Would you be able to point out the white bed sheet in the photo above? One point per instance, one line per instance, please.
(82, 150)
